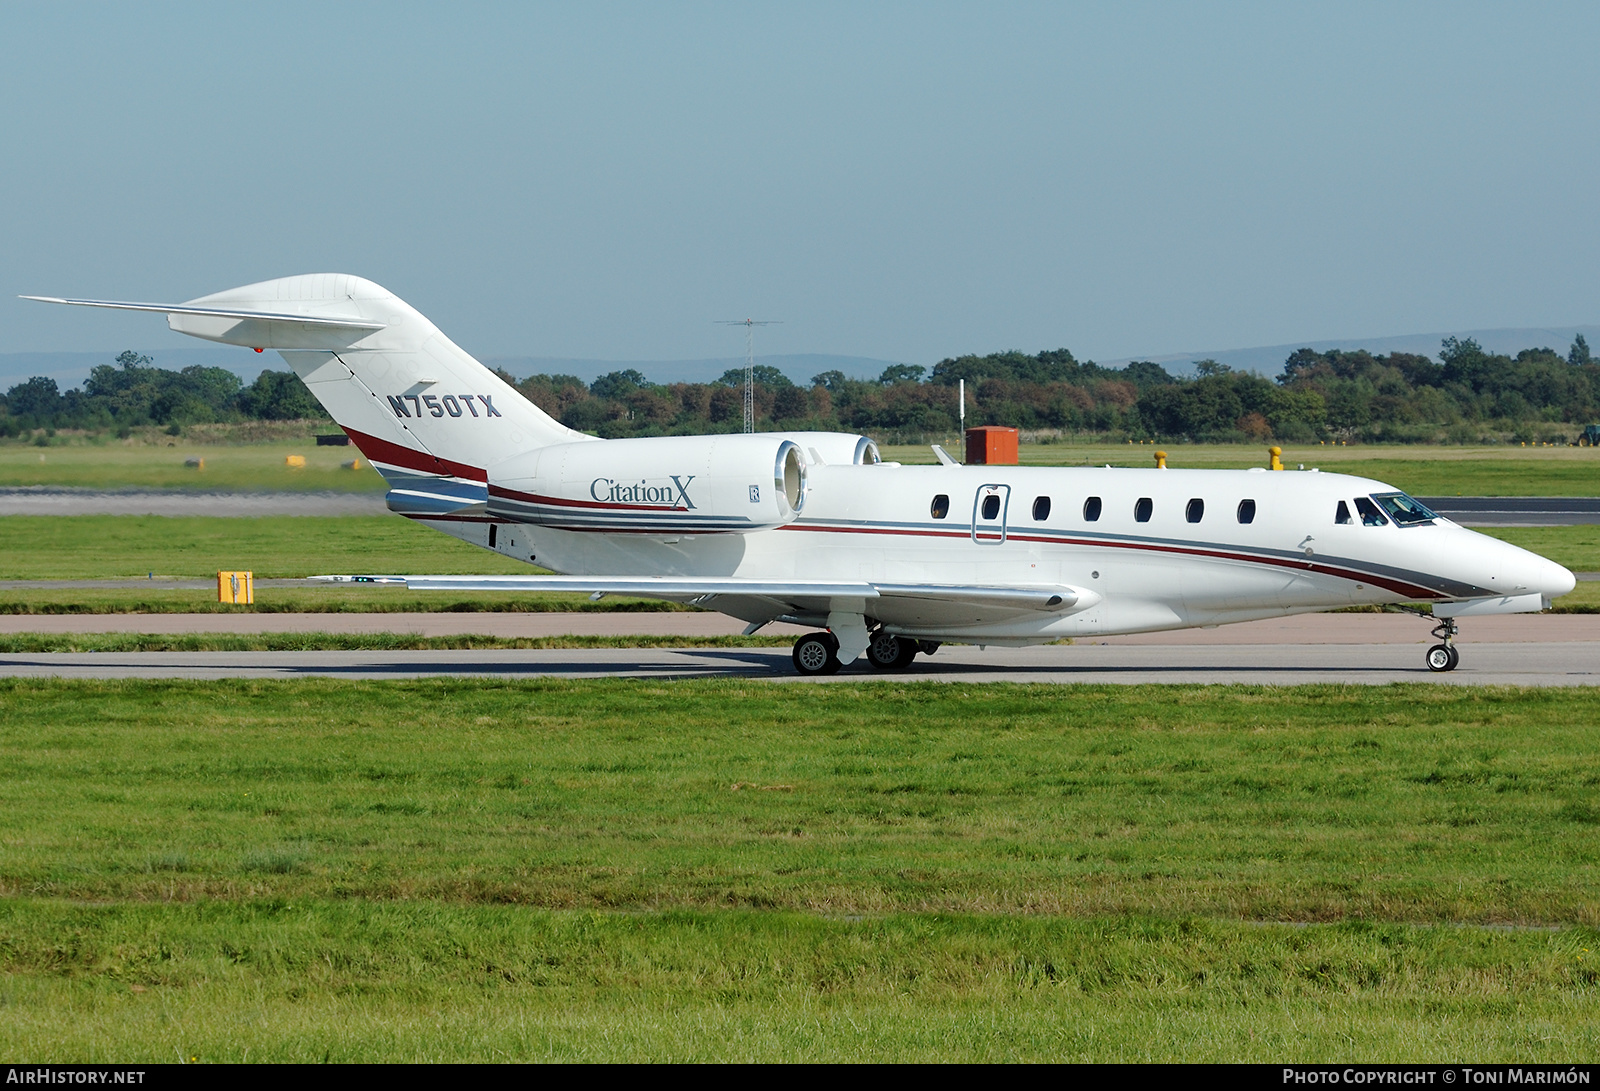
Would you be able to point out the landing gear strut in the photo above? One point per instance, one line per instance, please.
(1444, 657)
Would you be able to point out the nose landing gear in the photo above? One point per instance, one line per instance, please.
(1444, 657)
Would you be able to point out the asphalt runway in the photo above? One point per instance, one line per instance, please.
(1517, 511)
(1366, 649)
(1529, 664)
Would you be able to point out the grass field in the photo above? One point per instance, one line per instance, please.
(1422, 470)
(109, 546)
(247, 468)
(722, 870)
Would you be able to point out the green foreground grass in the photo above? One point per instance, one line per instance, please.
(255, 467)
(733, 870)
(56, 547)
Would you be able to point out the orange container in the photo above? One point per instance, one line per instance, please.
(991, 445)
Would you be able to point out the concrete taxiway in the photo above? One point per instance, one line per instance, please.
(1530, 664)
(1528, 650)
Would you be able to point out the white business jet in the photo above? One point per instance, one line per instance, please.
(813, 528)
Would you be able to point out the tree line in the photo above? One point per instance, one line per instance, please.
(1465, 395)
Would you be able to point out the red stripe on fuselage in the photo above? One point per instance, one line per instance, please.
(382, 450)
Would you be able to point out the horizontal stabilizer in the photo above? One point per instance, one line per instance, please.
(324, 321)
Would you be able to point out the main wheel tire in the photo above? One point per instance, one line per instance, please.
(1442, 657)
(887, 652)
(816, 653)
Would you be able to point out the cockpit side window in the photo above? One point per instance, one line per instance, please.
(1405, 511)
(1342, 516)
(1370, 515)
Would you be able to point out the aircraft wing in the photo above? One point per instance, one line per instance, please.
(912, 601)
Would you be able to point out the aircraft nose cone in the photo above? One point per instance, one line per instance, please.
(1552, 579)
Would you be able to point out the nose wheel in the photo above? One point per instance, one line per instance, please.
(1444, 657)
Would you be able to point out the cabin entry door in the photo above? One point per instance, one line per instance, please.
(989, 514)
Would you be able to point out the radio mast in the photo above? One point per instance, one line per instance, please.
(749, 325)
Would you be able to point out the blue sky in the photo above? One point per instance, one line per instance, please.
(903, 182)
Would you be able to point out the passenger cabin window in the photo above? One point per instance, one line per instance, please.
(940, 506)
(1247, 511)
(1091, 510)
(991, 507)
(1342, 516)
(1142, 509)
(1370, 515)
(1196, 510)
(1041, 508)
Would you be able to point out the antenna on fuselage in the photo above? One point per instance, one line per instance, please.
(749, 325)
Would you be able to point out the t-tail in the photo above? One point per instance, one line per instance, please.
(427, 415)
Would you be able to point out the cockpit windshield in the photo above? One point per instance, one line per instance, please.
(1405, 511)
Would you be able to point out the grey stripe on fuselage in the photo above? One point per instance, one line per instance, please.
(1446, 588)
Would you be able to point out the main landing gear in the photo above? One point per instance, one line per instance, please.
(1444, 657)
(818, 653)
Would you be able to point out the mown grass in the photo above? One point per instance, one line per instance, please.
(1407, 803)
(1578, 548)
(256, 467)
(363, 981)
(314, 599)
(734, 870)
(34, 547)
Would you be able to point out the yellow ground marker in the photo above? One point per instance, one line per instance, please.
(237, 588)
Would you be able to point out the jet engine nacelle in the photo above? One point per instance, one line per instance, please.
(668, 485)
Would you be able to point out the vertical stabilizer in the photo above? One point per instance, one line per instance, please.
(410, 398)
